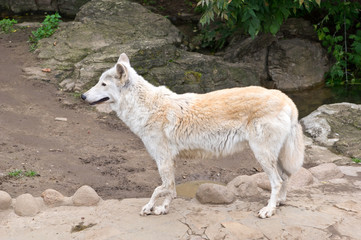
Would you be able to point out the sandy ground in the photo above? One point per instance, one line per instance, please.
(89, 148)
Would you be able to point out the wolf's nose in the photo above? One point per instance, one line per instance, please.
(83, 97)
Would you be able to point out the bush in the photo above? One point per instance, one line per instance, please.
(340, 33)
(48, 27)
(6, 25)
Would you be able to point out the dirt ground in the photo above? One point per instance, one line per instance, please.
(89, 148)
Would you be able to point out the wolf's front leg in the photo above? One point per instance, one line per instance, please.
(167, 189)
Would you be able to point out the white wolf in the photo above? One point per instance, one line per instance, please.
(216, 123)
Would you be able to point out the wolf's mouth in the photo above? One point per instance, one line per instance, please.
(100, 101)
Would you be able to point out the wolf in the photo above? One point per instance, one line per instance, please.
(217, 123)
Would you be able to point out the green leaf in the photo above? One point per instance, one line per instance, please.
(274, 28)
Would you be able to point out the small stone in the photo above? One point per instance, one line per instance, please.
(243, 186)
(52, 197)
(214, 194)
(61, 119)
(326, 171)
(85, 196)
(5, 200)
(26, 205)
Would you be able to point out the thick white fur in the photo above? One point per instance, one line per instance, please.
(217, 123)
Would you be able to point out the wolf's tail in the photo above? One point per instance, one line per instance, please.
(292, 152)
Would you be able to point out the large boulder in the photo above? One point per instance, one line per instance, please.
(64, 7)
(336, 126)
(103, 29)
(81, 50)
(291, 60)
(295, 64)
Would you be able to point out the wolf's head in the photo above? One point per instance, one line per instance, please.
(110, 83)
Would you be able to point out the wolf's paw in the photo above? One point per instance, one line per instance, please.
(161, 210)
(146, 210)
(266, 212)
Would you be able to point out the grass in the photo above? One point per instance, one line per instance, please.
(356, 160)
(15, 173)
(20, 173)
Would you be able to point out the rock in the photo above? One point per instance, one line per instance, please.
(35, 73)
(349, 206)
(262, 181)
(353, 171)
(336, 126)
(243, 186)
(316, 155)
(52, 197)
(5, 200)
(326, 171)
(298, 180)
(26, 205)
(241, 231)
(85, 196)
(65, 7)
(251, 52)
(194, 72)
(295, 64)
(301, 178)
(85, 48)
(214, 194)
(286, 61)
(70, 7)
(61, 119)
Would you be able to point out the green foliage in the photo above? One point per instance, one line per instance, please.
(252, 16)
(48, 27)
(20, 173)
(15, 173)
(6, 25)
(356, 160)
(340, 32)
(31, 173)
(339, 28)
(215, 38)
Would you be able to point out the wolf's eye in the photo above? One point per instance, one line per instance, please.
(104, 84)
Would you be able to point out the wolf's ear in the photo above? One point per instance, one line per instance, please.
(121, 70)
(123, 58)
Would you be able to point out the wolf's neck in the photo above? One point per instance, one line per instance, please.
(139, 100)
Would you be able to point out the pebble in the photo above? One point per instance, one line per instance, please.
(26, 205)
(61, 119)
(5, 200)
(243, 186)
(52, 197)
(214, 194)
(85, 196)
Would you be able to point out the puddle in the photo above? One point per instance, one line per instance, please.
(189, 189)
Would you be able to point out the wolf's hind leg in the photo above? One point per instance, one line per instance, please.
(283, 191)
(267, 157)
